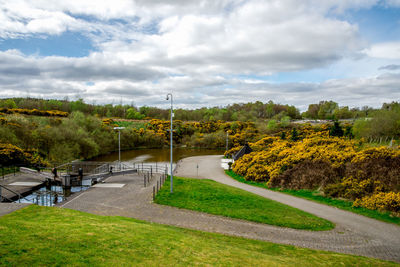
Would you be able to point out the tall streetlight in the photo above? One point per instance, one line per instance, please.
(227, 140)
(170, 137)
(119, 144)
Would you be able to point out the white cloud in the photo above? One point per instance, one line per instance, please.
(388, 50)
(393, 3)
(146, 48)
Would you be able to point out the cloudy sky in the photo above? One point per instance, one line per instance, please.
(206, 52)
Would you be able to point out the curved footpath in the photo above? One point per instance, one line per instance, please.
(353, 234)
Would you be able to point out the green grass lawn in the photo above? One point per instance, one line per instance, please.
(315, 196)
(49, 236)
(215, 198)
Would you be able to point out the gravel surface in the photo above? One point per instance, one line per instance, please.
(353, 234)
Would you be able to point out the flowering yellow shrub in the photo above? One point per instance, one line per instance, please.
(238, 132)
(375, 153)
(339, 166)
(281, 155)
(381, 201)
(108, 122)
(377, 164)
(36, 112)
(13, 155)
(3, 120)
(352, 188)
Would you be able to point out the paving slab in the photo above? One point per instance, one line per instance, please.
(25, 184)
(109, 185)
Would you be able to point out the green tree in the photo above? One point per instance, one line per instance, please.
(342, 113)
(362, 128)
(312, 111)
(272, 125)
(285, 121)
(132, 113)
(326, 109)
(8, 103)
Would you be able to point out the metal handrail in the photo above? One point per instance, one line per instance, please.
(148, 167)
(18, 194)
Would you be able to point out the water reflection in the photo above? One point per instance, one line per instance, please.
(50, 196)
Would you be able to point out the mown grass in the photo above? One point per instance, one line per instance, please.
(133, 124)
(316, 196)
(215, 198)
(49, 236)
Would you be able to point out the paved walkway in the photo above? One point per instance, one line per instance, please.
(353, 234)
(6, 208)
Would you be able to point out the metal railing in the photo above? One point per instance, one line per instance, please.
(12, 191)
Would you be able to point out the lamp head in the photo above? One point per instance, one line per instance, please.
(167, 97)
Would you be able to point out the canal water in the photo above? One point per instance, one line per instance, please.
(157, 155)
(50, 196)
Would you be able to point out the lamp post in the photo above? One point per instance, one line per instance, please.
(119, 144)
(171, 145)
(227, 140)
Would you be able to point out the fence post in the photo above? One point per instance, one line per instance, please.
(151, 171)
(157, 186)
(1, 196)
(154, 192)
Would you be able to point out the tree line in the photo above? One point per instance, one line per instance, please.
(325, 110)
(235, 112)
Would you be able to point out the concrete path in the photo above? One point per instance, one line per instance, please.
(355, 235)
(6, 208)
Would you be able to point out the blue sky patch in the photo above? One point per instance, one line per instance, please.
(68, 44)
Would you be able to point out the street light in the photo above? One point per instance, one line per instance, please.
(119, 144)
(170, 136)
(227, 140)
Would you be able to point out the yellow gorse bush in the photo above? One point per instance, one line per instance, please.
(376, 153)
(381, 201)
(36, 112)
(13, 155)
(339, 166)
(280, 155)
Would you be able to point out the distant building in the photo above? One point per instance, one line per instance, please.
(246, 149)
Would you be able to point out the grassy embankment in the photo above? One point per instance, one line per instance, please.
(316, 196)
(55, 236)
(211, 197)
